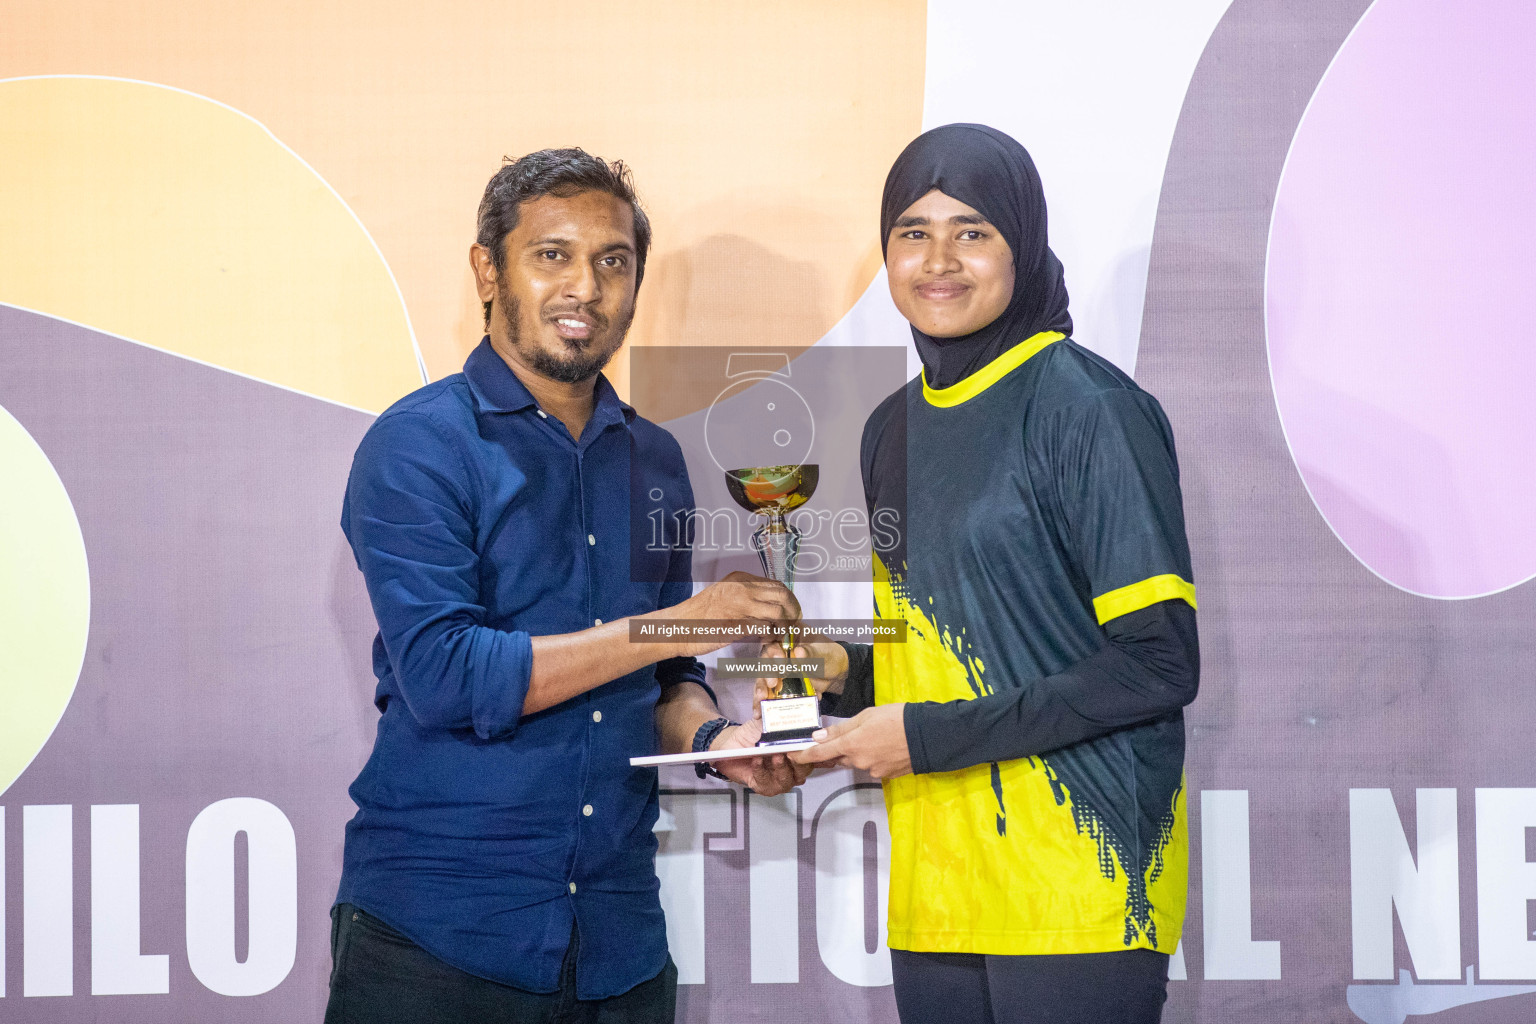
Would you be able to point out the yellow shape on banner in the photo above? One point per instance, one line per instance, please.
(45, 599)
(178, 222)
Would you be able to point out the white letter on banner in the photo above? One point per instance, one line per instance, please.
(840, 911)
(48, 900)
(773, 853)
(1230, 952)
(685, 819)
(1506, 881)
(117, 966)
(1382, 873)
(273, 897)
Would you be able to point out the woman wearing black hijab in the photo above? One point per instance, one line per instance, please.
(1029, 731)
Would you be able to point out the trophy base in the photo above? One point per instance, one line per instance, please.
(789, 719)
(795, 738)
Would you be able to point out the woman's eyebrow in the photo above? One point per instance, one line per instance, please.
(959, 218)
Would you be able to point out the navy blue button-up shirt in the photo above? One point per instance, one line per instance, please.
(478, 523)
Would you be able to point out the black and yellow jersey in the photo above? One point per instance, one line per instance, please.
(1014, 514)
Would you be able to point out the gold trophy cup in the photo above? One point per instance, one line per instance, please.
(793, 711)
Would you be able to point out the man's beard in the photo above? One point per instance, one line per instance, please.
(577, 364)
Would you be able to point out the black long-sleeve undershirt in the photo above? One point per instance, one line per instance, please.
(858, 690)
(1149, 668)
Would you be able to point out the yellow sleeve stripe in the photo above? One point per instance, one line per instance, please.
(1142, 595)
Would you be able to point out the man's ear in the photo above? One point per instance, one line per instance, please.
(484, 270)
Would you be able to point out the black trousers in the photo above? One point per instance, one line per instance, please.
(1123, 987)
(378, 976)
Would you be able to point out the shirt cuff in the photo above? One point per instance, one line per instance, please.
(913, 718)
(858, 690)
(672, 671)
(498, 701)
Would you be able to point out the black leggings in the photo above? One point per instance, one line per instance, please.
(1123, 987)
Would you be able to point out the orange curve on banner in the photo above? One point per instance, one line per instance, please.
(760, 134)
(180, 223)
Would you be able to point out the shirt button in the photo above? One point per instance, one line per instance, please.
(573, 888)
(543, 415)
(597, 622)
(587, 810)
(591, 539)
(597, 716)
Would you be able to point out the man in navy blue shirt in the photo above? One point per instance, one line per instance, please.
(501, 863)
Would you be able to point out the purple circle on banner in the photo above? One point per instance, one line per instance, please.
(1399, 300)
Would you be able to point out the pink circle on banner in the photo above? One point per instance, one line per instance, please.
(1400, 305)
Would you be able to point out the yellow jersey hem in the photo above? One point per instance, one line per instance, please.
(1041, 943)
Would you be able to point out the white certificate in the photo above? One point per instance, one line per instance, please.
(721, 755)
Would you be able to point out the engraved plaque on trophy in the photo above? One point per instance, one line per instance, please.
(793, 711)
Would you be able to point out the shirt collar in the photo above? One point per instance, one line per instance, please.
(610, 408)
(497, 389)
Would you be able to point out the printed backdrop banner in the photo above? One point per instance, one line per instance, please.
(230, 236)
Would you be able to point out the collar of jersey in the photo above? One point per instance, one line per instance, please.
(996, 370)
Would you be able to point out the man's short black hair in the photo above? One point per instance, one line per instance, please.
(553, 172)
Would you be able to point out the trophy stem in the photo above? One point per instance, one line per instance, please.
(778, 542)
(793, 711)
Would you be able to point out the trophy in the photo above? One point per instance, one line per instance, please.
(792, 711)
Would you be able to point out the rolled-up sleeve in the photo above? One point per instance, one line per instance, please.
(409, 517)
